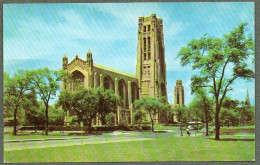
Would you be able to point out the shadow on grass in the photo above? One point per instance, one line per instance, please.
(232, 139)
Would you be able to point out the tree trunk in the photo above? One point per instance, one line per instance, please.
(89, 126)
(152, 126)
(35, 129)
(46, 120)
(207, 125)
(217, 126)
(152, 122)
(15, 121)
(103, 120)
(181, 128)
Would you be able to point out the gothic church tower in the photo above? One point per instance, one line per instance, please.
(151, 67)
(179, 93)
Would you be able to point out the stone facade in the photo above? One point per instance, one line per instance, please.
(150, 78)
(151, 67)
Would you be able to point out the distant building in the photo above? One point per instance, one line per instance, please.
(178, 99)
(150, 78)
(178, 94)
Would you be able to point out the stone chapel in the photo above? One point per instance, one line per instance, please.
(149, 80)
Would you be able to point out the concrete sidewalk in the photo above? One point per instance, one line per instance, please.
(44, 139)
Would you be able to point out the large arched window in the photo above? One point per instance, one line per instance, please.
(77, 80)
(134, 90)
(123, 92)
(108, 83)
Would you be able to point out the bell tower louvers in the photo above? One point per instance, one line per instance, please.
(151, 67)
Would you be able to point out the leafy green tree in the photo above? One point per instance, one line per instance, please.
(14, 91)
(150, 105)
(107, 103)
(165, 110)
(34, 112)
(85, 103)
(212, 57)
(56, 116)
(246, 114)
(65, 101)
(139, 116)
(45, 83)
(228, 116)
(182, 115)
(201, 106)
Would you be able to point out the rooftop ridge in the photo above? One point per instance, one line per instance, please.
(114, 70)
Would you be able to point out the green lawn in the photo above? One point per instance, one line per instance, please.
(159, 149)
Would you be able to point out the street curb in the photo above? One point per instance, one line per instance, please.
(30, 140)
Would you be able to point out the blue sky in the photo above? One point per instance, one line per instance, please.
(38, 35)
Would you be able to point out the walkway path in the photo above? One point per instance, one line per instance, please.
(21, 144)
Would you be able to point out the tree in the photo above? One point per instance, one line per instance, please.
(65, 101)
(246, 114)
(45, 83)
(85, 103)
(201, 106)
(212, 57)
(182, 114)
(34, 112)
(56, 116)
(107, 103)
(14, 90)
(150, 105)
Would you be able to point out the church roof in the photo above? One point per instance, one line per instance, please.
(114, 70)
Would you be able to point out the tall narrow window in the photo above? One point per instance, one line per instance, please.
(144, 56)
(144, 28)
(178, 99)
(144, 44)
(149, 56)
(149, 28)
(149, 44)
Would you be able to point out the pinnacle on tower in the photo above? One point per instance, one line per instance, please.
(247, 102)
(65, 56)
(64, 61)
(89, 58)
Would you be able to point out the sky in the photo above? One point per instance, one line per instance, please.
(38, 35)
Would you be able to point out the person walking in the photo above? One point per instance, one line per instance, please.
(188, 131)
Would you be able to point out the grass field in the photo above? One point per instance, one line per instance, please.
(171, 148)
(237, 144)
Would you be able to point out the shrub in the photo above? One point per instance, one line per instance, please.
(123, 127)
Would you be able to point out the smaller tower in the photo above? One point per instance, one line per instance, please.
(89, 59)
(247, 102)
(179, 93)
(65, 62)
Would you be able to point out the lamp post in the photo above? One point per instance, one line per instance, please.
(181, 128)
